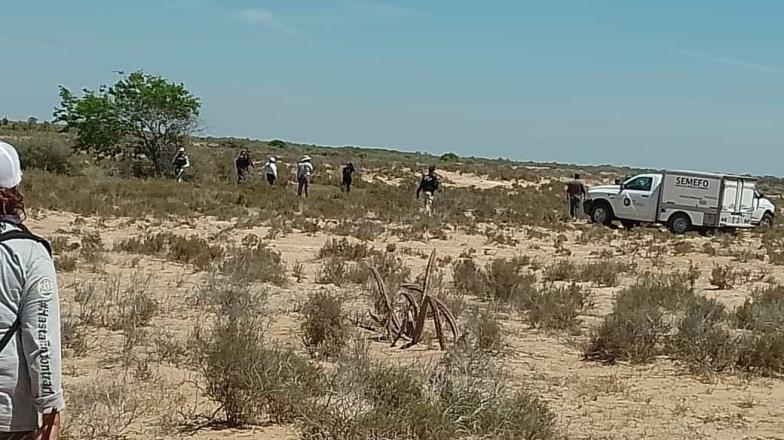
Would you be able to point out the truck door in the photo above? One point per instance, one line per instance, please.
(737, 202)
(639, 198)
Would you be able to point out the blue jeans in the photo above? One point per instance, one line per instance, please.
(574, 207)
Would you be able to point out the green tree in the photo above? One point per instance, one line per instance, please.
(141, 116)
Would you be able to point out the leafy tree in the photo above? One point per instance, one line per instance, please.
(142, 116)
(450, 157)
(277, 143)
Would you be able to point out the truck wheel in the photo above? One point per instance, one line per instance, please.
(679, 223)
(767, 220)
(601, 213)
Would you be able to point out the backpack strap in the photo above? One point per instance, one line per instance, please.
(10, 333)
(22, 234)
(25, 234)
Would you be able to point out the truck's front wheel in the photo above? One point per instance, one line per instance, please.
(679, 223)
(767, 220)
(601, 213)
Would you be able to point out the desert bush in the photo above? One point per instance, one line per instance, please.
(602, 273)
(761, 352)
(764, 311)
(391, 268)
(558, 307)
(345, 249)
(373, 400)
(130, 306)
(91, 249)
(703, 340)
(167, 347)
(105, 407)
(469, 278)
(722, 277)
(483, 332)
(259, 263)
(247, 379)
(562, 270)
(298, 271)
(186, 250)
(65, 262)
(50, 154)
(74, 334)
(507, 283)
(633, 330)
(324, 330)
(333, 271)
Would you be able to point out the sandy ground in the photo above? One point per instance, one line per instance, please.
(656, 401)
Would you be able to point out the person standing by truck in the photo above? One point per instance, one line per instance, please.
(30, 354)
(428, 187)
(575, 193)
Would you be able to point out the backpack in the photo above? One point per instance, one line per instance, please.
(23, 234)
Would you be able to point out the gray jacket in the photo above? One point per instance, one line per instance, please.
(30, 365)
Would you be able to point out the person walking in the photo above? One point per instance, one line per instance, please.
(304, 172)
(181, 162)
(244, 164)
(575, 193)
(427, 188)
(271, 170)
(31, 393)
(348, 177)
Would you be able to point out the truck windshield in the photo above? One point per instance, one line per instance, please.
(642, 183)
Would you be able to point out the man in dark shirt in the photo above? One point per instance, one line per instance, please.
(428, 187)
(575, 193)
(348, 177)
(244, 163)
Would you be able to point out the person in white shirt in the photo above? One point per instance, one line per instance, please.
(31, 392)
(271, 169)
(304, 171)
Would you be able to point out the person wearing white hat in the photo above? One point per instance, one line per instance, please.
(31, 393)
(304, 171)
(181, 162)
(271, 169)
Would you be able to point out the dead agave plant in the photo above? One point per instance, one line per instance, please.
(411, 323)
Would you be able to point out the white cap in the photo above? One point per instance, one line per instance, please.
(10, 168)
(306, 158)
(182, 149)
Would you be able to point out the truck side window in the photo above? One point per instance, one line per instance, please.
(640, 184)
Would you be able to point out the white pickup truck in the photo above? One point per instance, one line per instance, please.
(682, 200)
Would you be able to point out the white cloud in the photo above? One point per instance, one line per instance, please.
(734, 62)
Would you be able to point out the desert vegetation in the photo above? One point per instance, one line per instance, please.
(217, 310)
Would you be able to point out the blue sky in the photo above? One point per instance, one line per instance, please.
(682, 84)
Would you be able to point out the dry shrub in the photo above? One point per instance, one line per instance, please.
(558, 307)
(346, 250)
(723, 277)
(65, 262)
(602, 273)
(105, 407)
(391, 268)
(298, 270)
(633, 330)
(186, 250)
(507, 283)
(333, 271)
(703, 340)
(469, 278)
(562, 270)
(248, 380)
(370, 400)
(91, 249)
(483, 332)
(324, 329)
(259, 263)
(764, 311)
(74, 334)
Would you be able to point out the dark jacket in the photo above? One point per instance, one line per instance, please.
(429, 183)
